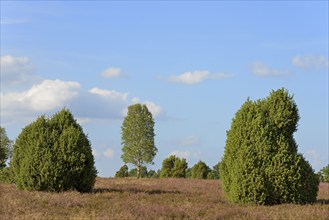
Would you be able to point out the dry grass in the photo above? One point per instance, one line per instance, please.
(149, 199)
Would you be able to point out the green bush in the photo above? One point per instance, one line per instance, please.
(53, 155)
(5, 147)
(122, 172)
(214, 173)
(143, 172)
(152, 174)
(173, 166)
(261, 164)
(200, 171)
(324, 173)
(6, 175)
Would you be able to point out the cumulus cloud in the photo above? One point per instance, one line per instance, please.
(261, 69)
(109, 94)
(197, 77)
(156, 110)
(109, 153)
(96, 153)
(112, 72)
(182, 154)
(311, 62)
(43, 97)
(190, 140)
(16, 70)
(185, 154)
(52, 95)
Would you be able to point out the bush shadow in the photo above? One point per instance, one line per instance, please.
(322, 201)
(133, 190)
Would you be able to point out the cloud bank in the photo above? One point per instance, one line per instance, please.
(196, 77)
(112, 72)
(52, 95)
(310, 62)
(261, 69)
(16, 70)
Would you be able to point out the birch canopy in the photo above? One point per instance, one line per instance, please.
(138, 137)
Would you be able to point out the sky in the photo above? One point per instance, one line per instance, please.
(193, 63)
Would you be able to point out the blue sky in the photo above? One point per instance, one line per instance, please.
(192, 63)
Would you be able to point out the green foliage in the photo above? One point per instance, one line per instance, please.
(143, 172)
(261, 164)
(173, 166)
(152, 174)
(5, 147)
(53, 155)
(200, 170)
(325, 173)
(189, 173)
(6, 175)
(214, 173)
(138, 137)
(122, 172)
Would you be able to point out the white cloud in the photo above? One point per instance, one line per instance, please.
(311, 62)
(96, 153)
(109, 94)
(83, 120)
(197, 77)
(16, 70)
(190, 140)
(41, 98)
(261, 69)
(108, 153)
(155, 109)
(182, 154)
(112, 72)
(52, 95)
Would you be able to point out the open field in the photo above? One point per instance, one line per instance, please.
(149, 199)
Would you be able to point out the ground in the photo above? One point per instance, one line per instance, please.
(129, 198)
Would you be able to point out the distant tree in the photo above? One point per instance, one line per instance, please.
(132, 172)
(261, 164)
(143, 172)
(180, 167)
(152, 174)
(53, 155)
(5, 147)
(200, 170)
(122, 172)
(189, 173)
(138, 137)
(324, 172)
(167, 166)
(173, 166)
(214, 173)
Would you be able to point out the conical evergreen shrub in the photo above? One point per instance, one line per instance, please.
(261, 164)
(54, 155)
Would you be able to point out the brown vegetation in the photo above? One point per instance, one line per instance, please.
(149, 199)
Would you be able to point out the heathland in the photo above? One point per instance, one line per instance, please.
(130, 198)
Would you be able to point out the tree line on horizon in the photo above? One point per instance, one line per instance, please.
(173, 167)
(261, 164)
